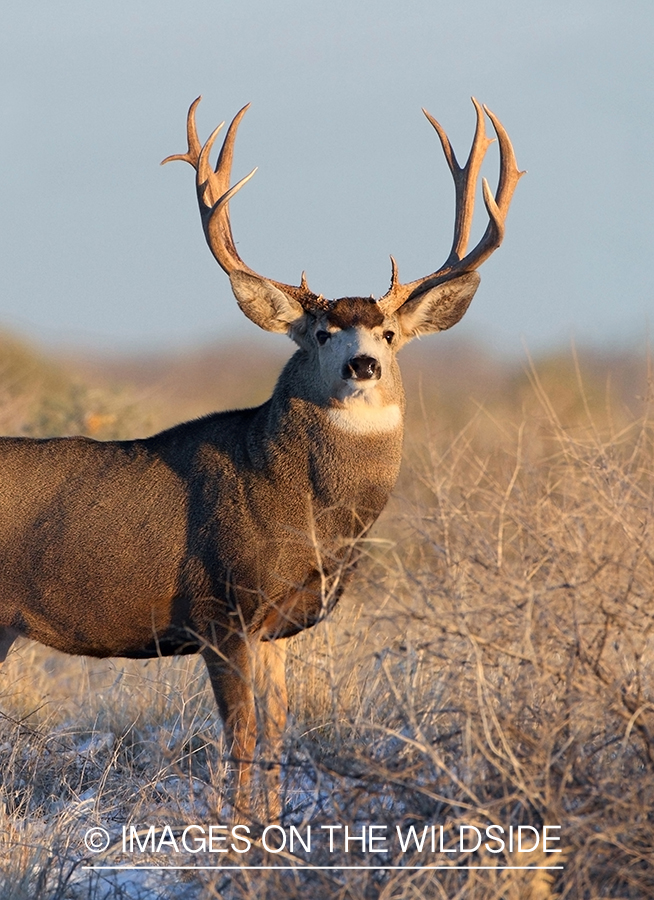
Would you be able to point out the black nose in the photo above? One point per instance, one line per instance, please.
(362, 368)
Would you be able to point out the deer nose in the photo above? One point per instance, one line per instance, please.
(362, 368)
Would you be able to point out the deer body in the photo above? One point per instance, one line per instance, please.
(233, 521)
(228, 534)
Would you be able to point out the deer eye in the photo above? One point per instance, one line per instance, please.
(322, 337)
(388, 336)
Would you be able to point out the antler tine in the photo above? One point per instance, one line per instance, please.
(193, 153)
(208, 190)
(214, 194)
(465, 182)
(497, 206)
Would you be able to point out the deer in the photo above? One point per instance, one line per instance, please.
(227, 535)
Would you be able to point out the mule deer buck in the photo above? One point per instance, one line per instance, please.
(226, 535)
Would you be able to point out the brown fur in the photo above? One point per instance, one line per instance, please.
(348, 312)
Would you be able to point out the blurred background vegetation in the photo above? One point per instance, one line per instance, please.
(46, 394)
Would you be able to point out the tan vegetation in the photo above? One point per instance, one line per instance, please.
(493, 663)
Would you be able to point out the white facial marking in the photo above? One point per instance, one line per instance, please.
(342, 346)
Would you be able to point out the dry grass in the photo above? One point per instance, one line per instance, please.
(493, 664)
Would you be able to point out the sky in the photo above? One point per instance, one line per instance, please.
(102, 248)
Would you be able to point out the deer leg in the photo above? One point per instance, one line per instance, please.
(249, 682)
(232, 679)
(272, 708)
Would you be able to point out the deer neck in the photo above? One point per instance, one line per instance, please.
(339, 451)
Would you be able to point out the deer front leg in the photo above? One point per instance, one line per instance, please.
(271, 700)
(249, 683)
(232, 679)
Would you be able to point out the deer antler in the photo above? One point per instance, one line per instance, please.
(214, 194)
(465, 179)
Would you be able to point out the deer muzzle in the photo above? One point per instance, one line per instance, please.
(362, 368)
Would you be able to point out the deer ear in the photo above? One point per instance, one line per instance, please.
(439, 308)
(264, 303)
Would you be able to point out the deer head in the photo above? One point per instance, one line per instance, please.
(353, 340)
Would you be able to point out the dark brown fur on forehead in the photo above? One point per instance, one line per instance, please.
(351, 311)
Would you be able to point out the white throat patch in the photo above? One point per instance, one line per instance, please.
(359, 417)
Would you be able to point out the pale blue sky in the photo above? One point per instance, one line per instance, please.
(103, 248)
